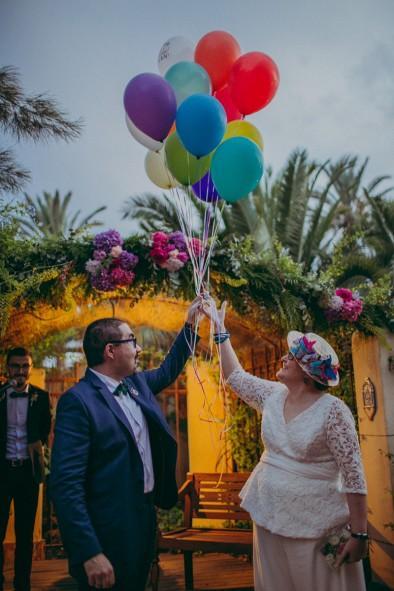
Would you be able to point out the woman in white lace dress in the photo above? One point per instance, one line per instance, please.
(309, 482)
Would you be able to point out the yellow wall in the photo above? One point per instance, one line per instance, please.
(209, 450)
(370, 360)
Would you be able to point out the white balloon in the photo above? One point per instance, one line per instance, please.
(176, 49)
(141, 137)
(157, 171)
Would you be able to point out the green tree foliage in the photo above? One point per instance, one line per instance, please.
(22, 116)
(48, 217)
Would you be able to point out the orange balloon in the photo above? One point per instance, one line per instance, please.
(173, 128)
(216, 52)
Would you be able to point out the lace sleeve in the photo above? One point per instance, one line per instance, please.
(343, 442)
(252, 390)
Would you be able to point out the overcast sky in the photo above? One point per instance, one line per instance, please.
(336, 96)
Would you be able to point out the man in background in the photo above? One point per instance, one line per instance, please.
(25, 422)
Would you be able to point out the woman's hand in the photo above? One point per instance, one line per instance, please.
(353, 551)
(210, 310)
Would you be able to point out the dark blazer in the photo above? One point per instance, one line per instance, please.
(38, 419)
(97, 478)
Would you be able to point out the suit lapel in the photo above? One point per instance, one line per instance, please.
(109, 400)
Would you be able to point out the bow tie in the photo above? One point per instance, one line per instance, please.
(125, 390)
(19, 395)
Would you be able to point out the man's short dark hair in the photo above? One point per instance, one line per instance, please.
(97, 335)
(17, 352)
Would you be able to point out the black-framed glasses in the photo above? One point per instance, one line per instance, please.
(120, 341)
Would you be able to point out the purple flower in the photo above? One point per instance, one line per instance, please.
(178, 240)
(99, 255)
(106, 240)
(103, 281)
(128, 260)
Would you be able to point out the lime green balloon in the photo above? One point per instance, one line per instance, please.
(246, 129)
(186, 168)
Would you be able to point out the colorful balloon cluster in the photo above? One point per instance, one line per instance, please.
(191, 117)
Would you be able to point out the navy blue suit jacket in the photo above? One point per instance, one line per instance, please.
(97, 478)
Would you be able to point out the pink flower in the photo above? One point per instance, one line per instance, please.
(196, 246)
(160, 238)
(116, 251)
(344, 306)
(121, 277)
(183, 257)
(345, 294)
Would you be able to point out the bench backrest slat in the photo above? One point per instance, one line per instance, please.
(217, 496)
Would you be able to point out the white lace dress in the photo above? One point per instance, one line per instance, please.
(298, 487)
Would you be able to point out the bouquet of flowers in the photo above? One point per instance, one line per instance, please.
(111, 266)
(169, 251)
(344, 305)
(335, 544)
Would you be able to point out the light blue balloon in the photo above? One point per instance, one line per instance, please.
(200, 123)
(237, 167)
(187, 78)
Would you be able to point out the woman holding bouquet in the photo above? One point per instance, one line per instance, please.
(309, 483)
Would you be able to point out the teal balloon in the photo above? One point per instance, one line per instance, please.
(236, 169)
(187, 78)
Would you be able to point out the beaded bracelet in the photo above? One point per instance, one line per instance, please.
(220, 337)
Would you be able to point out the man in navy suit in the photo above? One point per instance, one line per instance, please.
(114, 457)
(25, 422)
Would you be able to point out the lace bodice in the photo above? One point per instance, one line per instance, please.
(298, 487)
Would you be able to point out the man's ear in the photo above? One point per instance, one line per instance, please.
(108, 352)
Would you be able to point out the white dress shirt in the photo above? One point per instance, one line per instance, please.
(138, 425)
(16, 445)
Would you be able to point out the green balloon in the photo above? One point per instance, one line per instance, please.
(186, 168)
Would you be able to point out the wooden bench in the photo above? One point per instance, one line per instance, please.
(209, 496)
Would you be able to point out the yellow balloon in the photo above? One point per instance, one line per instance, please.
(240, 128)
(157, 171)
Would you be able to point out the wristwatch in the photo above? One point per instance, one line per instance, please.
(360, 535)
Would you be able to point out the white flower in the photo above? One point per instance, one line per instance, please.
(173, 253)
(92, 266)
(172, 265)
(116, 251)
(336, 302)
(333, 540)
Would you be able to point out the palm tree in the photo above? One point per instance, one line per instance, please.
(379, 235)
(307, 208)
(48, 217)
(27, 117)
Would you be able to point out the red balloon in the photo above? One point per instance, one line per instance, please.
(216, 52)
(224, 96)
(253, 82)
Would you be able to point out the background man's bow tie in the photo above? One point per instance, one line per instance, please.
(19, 395)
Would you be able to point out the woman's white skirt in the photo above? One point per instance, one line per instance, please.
(290, 564)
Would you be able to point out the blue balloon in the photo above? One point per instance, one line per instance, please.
(187, 78)
(237, 167)
(200, 123)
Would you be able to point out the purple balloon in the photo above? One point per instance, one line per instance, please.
(205, 190)
(150, 103)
